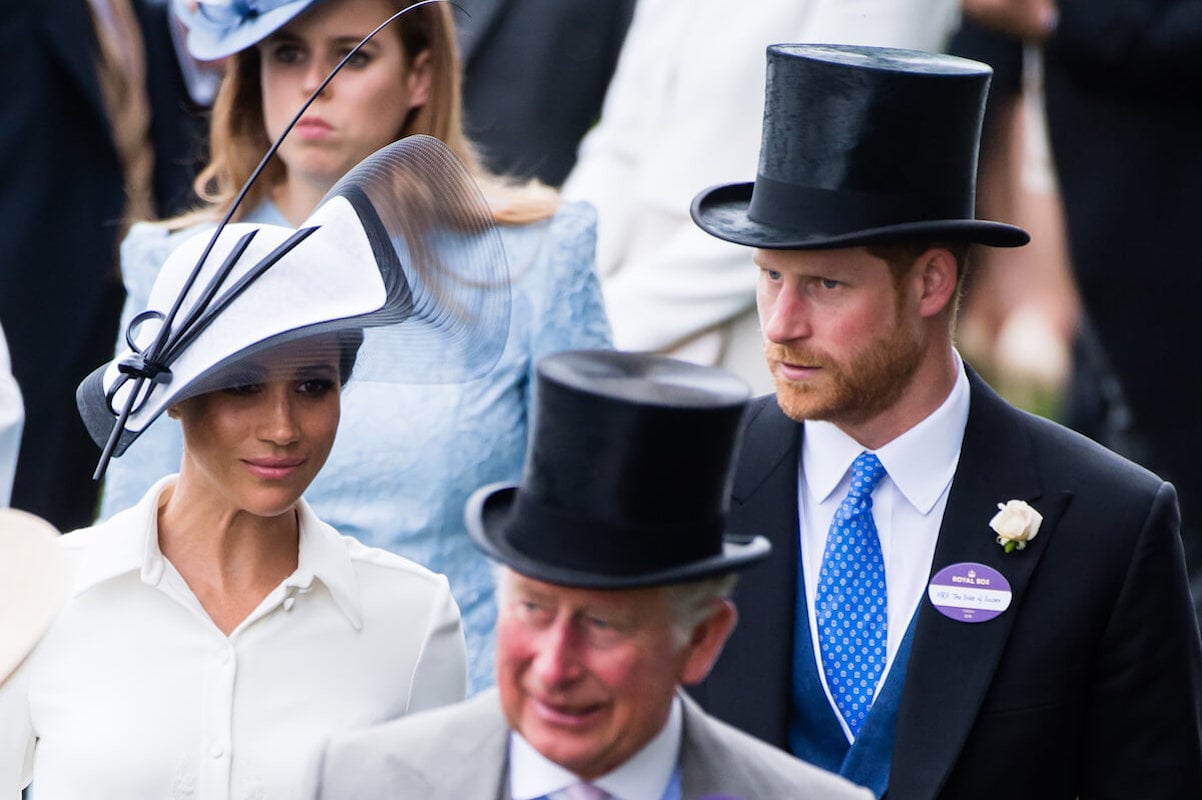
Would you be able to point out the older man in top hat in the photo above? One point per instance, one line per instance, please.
(612, 592)
(964, 600)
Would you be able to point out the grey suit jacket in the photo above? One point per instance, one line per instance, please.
(461, 752)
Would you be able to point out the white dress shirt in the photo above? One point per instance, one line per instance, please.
(644, 776)
(135, 693)
(907, 506)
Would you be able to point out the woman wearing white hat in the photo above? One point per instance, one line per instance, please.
(406, 460)
(218, 631)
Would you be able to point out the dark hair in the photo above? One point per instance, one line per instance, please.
(349, 342)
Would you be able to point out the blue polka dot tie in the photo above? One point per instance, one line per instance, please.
(850, 599)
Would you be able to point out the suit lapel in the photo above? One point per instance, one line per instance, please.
(952, 663)
(474, 26)
(763, 502)
(68, 32)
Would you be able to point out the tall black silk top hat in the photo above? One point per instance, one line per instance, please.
(861, 145)
(626, 479)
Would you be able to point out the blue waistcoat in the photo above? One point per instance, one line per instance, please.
(815, 734)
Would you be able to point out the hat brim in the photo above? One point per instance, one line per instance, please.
(490, 508)
(208, 42)
(721, 211)
(32, 584)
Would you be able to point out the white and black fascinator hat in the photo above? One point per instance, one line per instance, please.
(402, 251)
(402, 255)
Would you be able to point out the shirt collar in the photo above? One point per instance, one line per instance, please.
(644, 776)
(324, 556)
(129, 542)
(921, 462)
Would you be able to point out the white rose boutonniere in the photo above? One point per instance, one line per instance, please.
(1016, 523)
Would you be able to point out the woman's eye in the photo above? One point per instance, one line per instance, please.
(316, 386)
(286, 54)
(243, 389)
(359, 59)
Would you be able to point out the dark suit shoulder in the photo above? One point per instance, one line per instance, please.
(1068, 460)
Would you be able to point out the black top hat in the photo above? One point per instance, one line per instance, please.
(627, 476)
(861, 145)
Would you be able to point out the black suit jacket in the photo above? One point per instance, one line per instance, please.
(1089, 685)
(534, 78)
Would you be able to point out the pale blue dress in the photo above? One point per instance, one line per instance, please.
(407, 457)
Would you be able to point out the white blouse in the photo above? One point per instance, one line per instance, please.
(135, 693)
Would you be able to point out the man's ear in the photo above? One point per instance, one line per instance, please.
(705, 645)
(936, 272)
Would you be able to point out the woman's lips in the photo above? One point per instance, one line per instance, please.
(313, 127)
(273, 469)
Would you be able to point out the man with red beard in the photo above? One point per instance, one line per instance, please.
(616, 564)
(963, 600)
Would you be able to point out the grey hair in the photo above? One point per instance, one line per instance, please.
(689, 604)
(694, 602)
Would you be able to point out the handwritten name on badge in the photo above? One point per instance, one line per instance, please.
(969, 592)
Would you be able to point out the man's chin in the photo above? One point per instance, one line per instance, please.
(800, 404)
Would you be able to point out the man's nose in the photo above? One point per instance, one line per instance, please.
(785, 317)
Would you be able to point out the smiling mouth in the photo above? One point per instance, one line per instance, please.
(566, 716)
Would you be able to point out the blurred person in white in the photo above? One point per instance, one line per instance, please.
(215, 633)
(12, 417)
(683, 111)
(407, 457)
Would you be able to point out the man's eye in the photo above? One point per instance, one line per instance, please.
(827, 283)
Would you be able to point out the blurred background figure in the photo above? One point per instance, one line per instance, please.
(534, 77)
(1020, 313)
(1123, 102)
(683, 111)
(1124, 106)
(12, 418)
(407, 457)
(95, 129)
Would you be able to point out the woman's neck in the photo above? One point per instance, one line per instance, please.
(296, 198)
(229, 558)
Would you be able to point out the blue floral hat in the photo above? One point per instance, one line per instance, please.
(219, 28)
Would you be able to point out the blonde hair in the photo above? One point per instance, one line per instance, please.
(238, 137)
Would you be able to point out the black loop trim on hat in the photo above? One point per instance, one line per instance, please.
(561, 539)
(171, 341)
(831, 212)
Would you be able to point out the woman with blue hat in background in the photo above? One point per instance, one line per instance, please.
(215, 633)
(407, 459)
